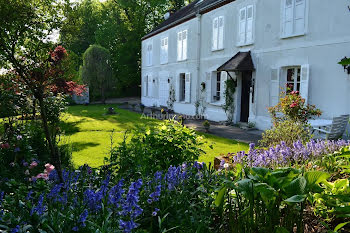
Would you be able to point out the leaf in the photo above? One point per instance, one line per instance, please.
(281, 230)
(296, 187)
(219, 200)
(245, 186)
(296, 199)
(315, 177)
(341, 183)
(261, 171)
(339, 226)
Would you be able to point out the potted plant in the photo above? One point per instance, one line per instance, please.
(206, 125)
(142, 107)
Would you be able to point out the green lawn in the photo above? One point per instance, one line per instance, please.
(89, 131)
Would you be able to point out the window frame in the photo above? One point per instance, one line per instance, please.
(164, 50)
(297, 79)
(149, 54)
(183, 48)
(246, 41)
(219, 39)
(182, 87)
(283, 34)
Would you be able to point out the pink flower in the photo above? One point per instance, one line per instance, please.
(49, 168)
(42, 176)
(5, 146)
(33, 165)
(293, 105)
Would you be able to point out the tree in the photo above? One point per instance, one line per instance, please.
(97, 72)
(25, 50)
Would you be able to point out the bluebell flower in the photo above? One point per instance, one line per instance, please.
(155, 212)
(127, 226)
(29, 195)
(53, 194)
(115, 194)
(39, 208)
(155, 195)
(16, 229)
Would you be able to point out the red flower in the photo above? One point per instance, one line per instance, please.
(5, 146)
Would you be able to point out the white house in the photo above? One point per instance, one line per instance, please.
(262, 44)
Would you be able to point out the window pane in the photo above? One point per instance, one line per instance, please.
(250, 12)
(290, 75)
(289, 2)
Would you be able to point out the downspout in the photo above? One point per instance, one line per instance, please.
(199, 34)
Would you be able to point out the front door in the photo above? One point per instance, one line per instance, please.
(164, 90)
(246, 82)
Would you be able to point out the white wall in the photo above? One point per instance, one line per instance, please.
(327, 40)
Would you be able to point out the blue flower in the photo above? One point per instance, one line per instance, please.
(115, 194)
(16, 229)
(127, 226)
(155, 195)
(39, 208)
(155, 212)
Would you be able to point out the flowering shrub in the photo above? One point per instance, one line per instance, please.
(288, 131)
(283, 155)
(292, 107)
(156, 148)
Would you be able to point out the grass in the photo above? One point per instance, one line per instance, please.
(89, 131)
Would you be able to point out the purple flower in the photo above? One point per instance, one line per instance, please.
(155, 195)
(17, 149)
(16, 229)
(39, 208)
(127, 226)
(155, 212)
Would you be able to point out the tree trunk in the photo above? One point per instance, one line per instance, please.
(56, 160)
(34, 109)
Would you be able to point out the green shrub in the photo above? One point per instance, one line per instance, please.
(156, 148)
(287, 131)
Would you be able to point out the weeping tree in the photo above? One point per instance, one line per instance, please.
(97, 71)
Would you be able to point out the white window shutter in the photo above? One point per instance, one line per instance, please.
(221, 32)
(179, 46)
(250, 24)
(304, 82)
(242, 25)
(144, 86)
(274, 87)
(215, 34)
(208, 87)
(223, 79)
(188, 88)
(150, 84)
(299, 17)
(184, 44)
(162, 51)
(288, 22)
(166, 49)
(150, 55)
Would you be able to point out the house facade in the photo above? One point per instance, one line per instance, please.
(262, 45)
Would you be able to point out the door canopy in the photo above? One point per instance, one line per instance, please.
(242, 61)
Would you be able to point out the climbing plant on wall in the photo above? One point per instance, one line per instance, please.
(229, 105)
(171, 98)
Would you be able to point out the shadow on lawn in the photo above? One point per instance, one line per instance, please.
(70, 128)
(78, 146)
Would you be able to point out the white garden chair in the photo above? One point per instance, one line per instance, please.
(336, 130)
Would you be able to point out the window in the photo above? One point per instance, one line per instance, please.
(184, 94)
(218, 33)
(149, 54)
(182, 87)
(293, 79)
(164, 50)
(246, 25)
(294, 18)
(182, 45)
(217, 86)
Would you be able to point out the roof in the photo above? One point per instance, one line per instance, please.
(242, 61)
(186, 13)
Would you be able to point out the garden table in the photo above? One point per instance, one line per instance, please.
(320, 123)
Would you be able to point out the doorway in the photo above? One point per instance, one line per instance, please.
(245, 95)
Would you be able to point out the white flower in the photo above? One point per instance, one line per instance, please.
(226, 165)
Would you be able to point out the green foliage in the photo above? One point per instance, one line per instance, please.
(287, 131)
(156, 148)
(267, 200)
(97, 72)
(229, 105)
